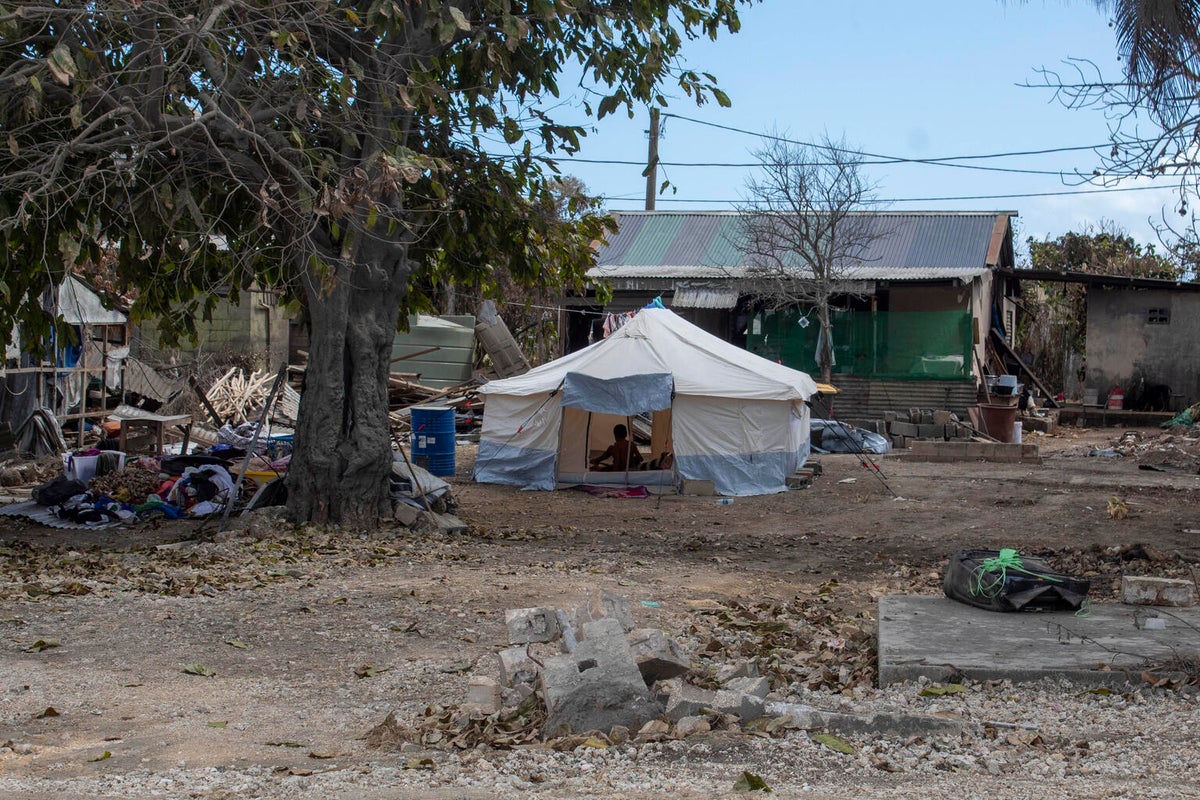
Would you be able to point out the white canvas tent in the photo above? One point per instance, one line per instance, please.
(730, 417)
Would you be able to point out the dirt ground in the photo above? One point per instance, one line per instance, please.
(313, 636)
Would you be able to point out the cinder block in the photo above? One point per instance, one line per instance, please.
(931, 431)
(899, 442)
(516, 667)
(800, 479)
(699, 488)
(658, 656)
(889, 417)
(977, 450)
(926, 417)
(942, 417)
(531, 625)
(1147, 591)
(914, 416)
(881, 427)
(595, 688)
(904, 429)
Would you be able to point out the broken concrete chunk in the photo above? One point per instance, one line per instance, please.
(1146, 591)
(595, 688)
(600, 628)
(515, 695)
(405, 514)
(483, 694)
(657, 655)
(531, 625)
(759, 687)
(448, 523)
(516, 667)
(616, 606)
(690, 701)
(745, 669)
(653, 728)
(691, 725)
(879, 724)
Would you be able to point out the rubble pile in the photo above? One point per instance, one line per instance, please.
(592, 678)
(1177, 448)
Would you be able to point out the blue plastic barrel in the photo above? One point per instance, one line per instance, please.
(432, 438)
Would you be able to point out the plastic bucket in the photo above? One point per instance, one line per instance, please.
(432, 438)
(998, 421)
(82, 468)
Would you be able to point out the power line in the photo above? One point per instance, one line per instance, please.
(755, 164)
(901, 159)
(940, 199)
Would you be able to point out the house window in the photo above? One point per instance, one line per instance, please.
(1158, 316)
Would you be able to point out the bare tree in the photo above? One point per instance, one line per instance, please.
(804, 231)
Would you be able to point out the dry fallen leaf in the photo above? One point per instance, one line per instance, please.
(1117, 509)
(199, 669)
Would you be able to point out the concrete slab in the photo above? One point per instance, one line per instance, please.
(937, 637)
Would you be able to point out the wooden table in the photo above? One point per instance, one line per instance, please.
(157, 425)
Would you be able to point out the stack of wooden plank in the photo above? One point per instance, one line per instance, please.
(237, 397)
(461, 398)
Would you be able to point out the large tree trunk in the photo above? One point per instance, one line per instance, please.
(342, 459)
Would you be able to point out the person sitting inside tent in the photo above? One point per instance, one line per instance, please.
(623, 452)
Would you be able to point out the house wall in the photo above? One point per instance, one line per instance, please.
(1124, 348)
(928, 298)
(258, 326)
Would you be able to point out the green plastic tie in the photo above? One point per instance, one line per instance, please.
(997, 569)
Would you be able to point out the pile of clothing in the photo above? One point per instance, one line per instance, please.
(192, 490)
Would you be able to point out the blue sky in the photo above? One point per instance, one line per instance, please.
(913, 80)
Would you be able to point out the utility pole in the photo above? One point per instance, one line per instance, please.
(652, 160)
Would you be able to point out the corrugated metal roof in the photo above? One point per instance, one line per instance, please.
(704, 297)
(866, 273)
(904, 245)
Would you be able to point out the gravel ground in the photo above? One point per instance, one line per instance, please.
(314, 637)
(1071, 744)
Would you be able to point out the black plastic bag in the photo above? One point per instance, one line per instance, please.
(57, 491)
(1003, 580)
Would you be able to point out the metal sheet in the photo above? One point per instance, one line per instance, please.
(705, 297)
(42, 515)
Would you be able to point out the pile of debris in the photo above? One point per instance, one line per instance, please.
(1175, 450)
(592, 678)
